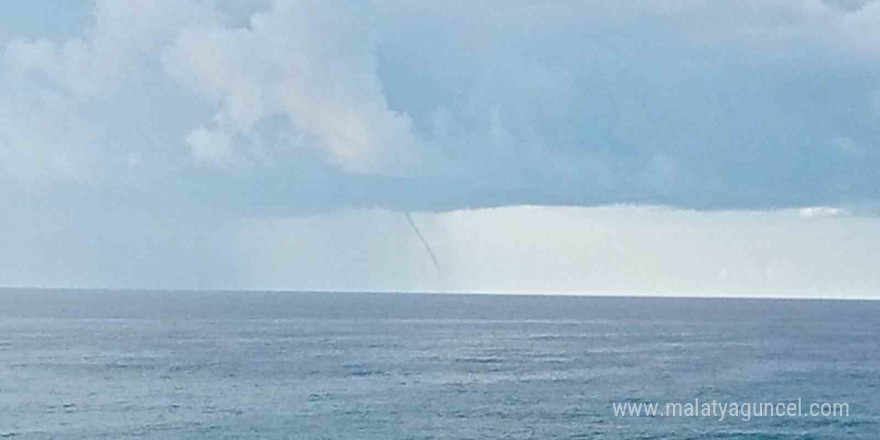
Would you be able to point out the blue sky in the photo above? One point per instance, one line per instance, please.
(140, 141)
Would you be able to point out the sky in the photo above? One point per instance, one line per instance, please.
(647, 147)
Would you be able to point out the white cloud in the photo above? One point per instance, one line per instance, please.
(821, 211)
(122, 38)
(211, 146)
(313, 62)
(862, 28)
(44, 137)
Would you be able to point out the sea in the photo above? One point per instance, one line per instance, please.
(103, 364)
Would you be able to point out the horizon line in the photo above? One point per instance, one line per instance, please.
(654, 295)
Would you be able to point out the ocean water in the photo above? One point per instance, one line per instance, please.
(224, 365)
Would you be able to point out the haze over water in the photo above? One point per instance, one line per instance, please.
(214, 365)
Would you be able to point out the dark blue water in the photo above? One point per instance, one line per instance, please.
(92, 365)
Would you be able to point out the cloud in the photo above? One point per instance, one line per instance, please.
(312, 62)
(122, 36)
(821, 211)
(46, 136)
(713, 105)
